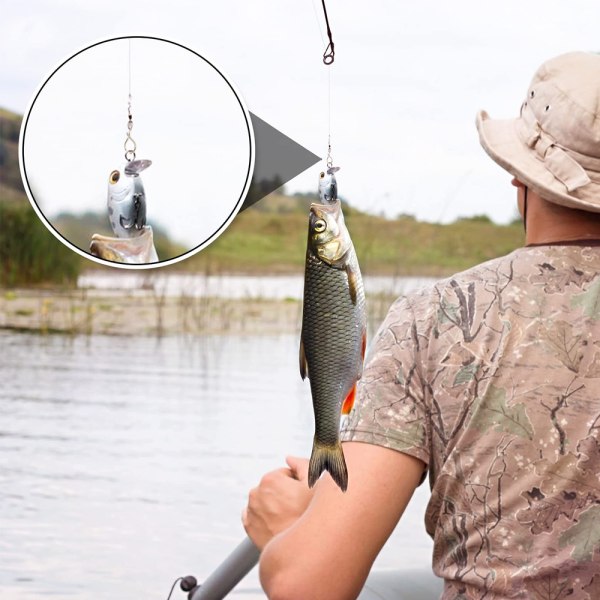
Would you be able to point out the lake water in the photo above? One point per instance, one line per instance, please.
(126, 462)
(231, 286)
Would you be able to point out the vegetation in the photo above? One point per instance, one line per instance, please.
(10, 125)
(269, 237)
(29, 253)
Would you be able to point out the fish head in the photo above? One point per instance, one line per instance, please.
(121, 182)
(120, 185)
(328, 237)
(328, 185)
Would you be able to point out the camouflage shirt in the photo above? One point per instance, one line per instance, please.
(492, 378)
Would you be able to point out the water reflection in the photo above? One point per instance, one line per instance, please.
(125, 462)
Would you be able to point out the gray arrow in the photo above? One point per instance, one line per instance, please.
(278, 159)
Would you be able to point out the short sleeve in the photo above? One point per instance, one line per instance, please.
(390, 405)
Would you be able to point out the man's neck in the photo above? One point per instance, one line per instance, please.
(549, 223)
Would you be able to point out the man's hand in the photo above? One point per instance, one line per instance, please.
(279, 500)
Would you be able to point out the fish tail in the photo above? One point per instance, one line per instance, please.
(328, 458)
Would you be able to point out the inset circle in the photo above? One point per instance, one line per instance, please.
(192, 132)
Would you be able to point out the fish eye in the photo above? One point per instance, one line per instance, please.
(114, 177)
(320, 226)
(322, 175)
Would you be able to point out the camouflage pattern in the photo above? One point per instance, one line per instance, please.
(492, 378)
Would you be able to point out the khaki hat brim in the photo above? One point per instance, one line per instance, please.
(500, 139)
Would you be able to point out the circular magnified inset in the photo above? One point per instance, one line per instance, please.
(137, 152)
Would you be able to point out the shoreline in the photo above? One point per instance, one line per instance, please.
(143, 312)
(140, 313)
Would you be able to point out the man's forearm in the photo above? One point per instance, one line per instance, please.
(328, 552)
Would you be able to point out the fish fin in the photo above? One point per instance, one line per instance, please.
(135, 167)
(352, 283)
(328, 458)
(362, 354)
(303, 363)
(140, 217)
(349, 401)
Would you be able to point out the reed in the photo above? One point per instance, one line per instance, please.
(29, 253)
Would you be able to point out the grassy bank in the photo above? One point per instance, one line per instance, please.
(259, 241)
(267, 238)
(263, 242)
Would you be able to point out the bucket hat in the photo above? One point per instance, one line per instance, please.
(553, 147)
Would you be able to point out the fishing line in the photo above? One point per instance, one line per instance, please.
(329, 159)
(129, 64)
(328, 59)
(130, 146)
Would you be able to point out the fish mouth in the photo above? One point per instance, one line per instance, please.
(135, 167)
(318, 210)
(330, 213)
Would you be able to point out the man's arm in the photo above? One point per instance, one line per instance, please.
(328, 551)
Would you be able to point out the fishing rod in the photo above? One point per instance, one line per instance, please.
(246, 555)
(225, 577)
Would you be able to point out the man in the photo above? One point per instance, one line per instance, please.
(490, 382)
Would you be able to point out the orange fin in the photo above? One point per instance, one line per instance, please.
(349, 401)
(303, 364)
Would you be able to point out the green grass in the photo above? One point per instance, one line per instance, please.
(270, 243)
(29, 253)
(262, 242)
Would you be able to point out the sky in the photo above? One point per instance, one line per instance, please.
(407, 82)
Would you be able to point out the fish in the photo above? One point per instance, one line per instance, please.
(328, 185)
(127, 199)
(333, 339)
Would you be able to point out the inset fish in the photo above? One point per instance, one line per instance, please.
(328, 185)
(333, 341)
(127, 199)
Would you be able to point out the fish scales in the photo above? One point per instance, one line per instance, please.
(332, 331)
(333, 334)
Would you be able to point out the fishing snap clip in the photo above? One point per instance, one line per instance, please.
(130, 146)
(129, 151)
